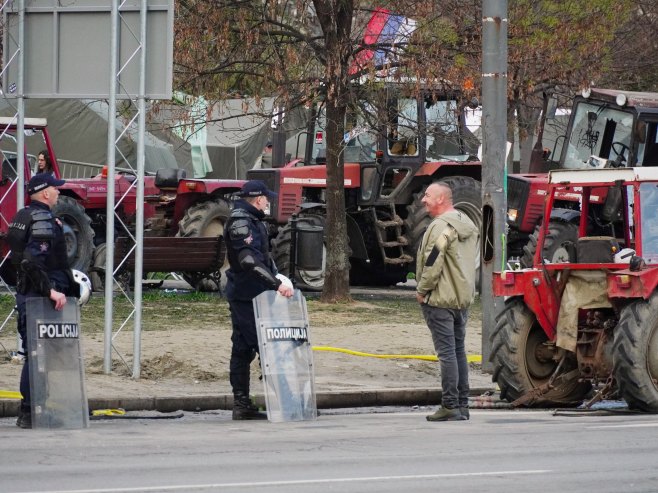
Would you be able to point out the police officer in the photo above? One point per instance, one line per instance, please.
(251, 271)
(38, 251)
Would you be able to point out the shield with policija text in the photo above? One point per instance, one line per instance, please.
(286, 356)
(57, 383)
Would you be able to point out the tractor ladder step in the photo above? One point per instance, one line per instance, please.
(395, 222)
(401, 241)
(402, 259)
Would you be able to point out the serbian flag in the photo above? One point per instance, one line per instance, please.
(387, 30)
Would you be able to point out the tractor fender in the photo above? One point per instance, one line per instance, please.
(565, 215)
(74, 190)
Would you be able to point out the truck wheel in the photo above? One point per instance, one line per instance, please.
(206, 219)
(77, 232)
(560, 233)
(635, 354)
(312, 280)
(522, 361)
(466, 197)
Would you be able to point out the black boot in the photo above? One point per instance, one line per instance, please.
(24, 417)
(244, 409)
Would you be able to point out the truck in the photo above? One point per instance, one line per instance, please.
(395, 145)
(588, 318)
(175, 206)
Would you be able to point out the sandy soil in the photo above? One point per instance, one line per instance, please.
(193, 360)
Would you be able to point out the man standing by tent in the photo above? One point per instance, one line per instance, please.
(445, 272)
(251, 272)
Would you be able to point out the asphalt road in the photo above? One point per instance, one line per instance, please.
(496, 451)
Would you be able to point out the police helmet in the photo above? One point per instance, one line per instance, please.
(624, 256)
(85, 286)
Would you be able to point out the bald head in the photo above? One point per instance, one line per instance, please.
(437, 199)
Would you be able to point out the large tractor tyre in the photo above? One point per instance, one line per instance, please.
(97, 273)
(635, 354)
(560, 235)
(312, 280)
(522, 361)
(376, 275)
(77, 232)
(206, 219)
(466, 197)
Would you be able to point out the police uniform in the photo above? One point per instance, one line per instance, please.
(251, 272)
(38, 252)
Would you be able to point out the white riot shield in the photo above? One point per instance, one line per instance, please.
(57, 383)
(286, 356)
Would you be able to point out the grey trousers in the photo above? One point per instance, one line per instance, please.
(448, 329)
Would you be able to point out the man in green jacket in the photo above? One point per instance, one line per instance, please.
(445, 273)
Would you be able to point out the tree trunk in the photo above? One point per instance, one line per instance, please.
(336, 284)
(335, 17)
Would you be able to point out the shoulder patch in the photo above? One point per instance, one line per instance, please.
(240, 230)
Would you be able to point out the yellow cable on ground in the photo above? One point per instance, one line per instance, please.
(473, 358)
(10, 394)
(108, 412)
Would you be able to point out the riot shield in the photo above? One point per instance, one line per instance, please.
(57, 381)
(286, 356)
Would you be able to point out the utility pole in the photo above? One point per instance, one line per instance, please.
(494, 165)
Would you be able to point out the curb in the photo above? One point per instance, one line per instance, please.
(324, 400)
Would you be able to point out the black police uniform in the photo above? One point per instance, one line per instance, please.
(251, 272)
(38, 251)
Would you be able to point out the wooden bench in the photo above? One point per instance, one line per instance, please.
(198, 257)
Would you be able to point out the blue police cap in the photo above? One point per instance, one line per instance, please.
(254, 188)
(41, 181)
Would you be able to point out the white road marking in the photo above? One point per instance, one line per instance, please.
(261, 484)
(633, 425)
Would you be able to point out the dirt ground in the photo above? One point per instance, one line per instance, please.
(191, 357)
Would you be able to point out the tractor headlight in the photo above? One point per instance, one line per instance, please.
(512, 214)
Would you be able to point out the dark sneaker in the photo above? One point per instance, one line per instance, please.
(24, 420)
(446, 414)
(465, 413)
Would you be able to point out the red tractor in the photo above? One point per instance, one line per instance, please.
(605, 125)
(393, 151)
(174, 205)
(590, 315)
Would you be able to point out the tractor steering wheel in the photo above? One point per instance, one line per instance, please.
(619, 148)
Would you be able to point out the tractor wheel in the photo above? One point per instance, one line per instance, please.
(97, 277)
(206, 219)
(376, 275)
(522, 361)
(77, 232)
(312, 280)
(465, 197)
(635, 354)
(559, 234)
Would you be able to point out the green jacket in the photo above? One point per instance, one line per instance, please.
(446, 259)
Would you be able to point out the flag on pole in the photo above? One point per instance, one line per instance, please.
(385, 32)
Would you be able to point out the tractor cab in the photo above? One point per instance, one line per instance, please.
(607, 129)
(612, 128)
(392, 138)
